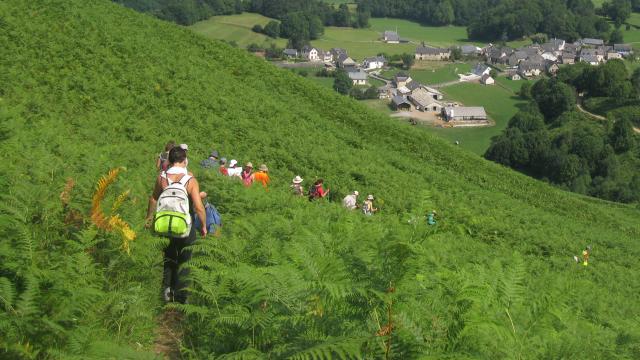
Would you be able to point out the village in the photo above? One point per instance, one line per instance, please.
(423, 103)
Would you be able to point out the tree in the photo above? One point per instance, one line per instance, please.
(272, 29)
(456, 53)
(622, 136)
(493, 73)
(408, 60)
(253, 47)
(525, 90)
(617, 10)
(342, 83)
(527, 121)
(553, 97)
(635, 80)
(342, 16)
(616, 37)
(257, 28)
(443, 13)
(363, 18)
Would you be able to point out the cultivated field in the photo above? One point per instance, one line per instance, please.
(236, 28)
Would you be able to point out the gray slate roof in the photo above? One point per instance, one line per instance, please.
(399, 99)
(290, 52)
(391, 36)
(427, 50)
(357, 75)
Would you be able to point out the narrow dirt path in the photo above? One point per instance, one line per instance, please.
(599, 117)
(169, 335)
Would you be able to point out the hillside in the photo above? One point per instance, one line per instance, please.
(87, 86)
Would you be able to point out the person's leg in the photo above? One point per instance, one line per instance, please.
(184, 255)
(170, 268)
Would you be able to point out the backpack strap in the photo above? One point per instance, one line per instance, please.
(184, 180)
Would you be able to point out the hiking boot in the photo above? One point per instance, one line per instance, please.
(167, 294)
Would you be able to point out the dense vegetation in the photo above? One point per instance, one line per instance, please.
(185, 12)
(87, 86)
(501, 19)
(550, 140)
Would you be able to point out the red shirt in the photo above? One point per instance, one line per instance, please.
(223, 170)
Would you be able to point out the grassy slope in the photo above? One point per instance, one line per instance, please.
(90, 86)
(236, 28)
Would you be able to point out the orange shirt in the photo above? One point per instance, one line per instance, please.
(262, 177)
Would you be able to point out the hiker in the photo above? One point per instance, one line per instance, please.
(185, 147)
(176, 200)
(317, 191)
(233, 169)
(214, 220)
(162, 163)
(367, 206)
(223, 168)
(262, 175)
(211, 162)
(585, 255)
(351, 201)
(296, 186)
(247, 174)
(431, 217)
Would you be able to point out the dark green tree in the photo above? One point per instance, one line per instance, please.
(408, 60)
(622, 138)
(342, 83)
(553, 97)
(272, 29)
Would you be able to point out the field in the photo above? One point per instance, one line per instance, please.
(92, 91)
(433, 72)
(360, 43)
(236, 28)
(499, 103)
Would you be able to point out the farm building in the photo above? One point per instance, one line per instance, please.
(463, 113)
(487, 80)
(312, 54)
(401, 79)
(391, 37)
(431, 53)
(401, 103)
(481, 70)
(623, 49)
(344, 61)
(470, 50)
(515, 77)
(290, 53)
(372, 63)
(591, 42)
(435, 93)
(424, 101)
(358, 77)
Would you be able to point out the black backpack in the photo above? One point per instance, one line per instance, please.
(313, 192)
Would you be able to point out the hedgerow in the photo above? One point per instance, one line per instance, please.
(88, 86)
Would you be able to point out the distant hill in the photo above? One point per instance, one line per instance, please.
(87, 86)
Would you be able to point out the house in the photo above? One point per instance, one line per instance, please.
(327, 56)
(516, 57)
(623, 49)
(462, 113)
(290, 53)
(612, 54)
(431, 53)
(589, 59)
(435, 94)
(552, 67)
(413, 85)
(515, 76)
(591, 42)
(391, 37)
(549, 55)
(344, 61)
(358, 77)
(497, 55)
(481, 70)
(554, 45)
(568, 57)
(401, 79)
(403, 90)
(531, 67)
(336, 52)
(372, 63)
(487, 80)
(401, 103)
(311, 53)
(384, 91)
(590, 54)
(470, 50)
(424, 101)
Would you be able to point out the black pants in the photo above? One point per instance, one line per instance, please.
(176, 254)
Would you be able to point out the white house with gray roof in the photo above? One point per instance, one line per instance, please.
(432, 53)
(391, 37)
(375, 62)
(358, 77)
(464, 113)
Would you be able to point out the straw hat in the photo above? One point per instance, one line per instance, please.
(297, 179)
(249, 164)
(370, 197)
(263, 167)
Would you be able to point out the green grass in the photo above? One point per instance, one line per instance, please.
(236, 28)
(512, 85)
(433, 72)
(89, 86)
(499, 103)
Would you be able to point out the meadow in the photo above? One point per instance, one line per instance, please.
(287, 278)
(501, 104)
(236, 28)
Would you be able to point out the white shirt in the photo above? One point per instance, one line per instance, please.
(350, 202)
(236, 171)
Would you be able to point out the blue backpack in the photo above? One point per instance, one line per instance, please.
(213, 218)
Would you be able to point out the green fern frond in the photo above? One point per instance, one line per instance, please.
(332, 348)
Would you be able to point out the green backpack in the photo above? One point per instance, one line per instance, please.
(172, 212)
